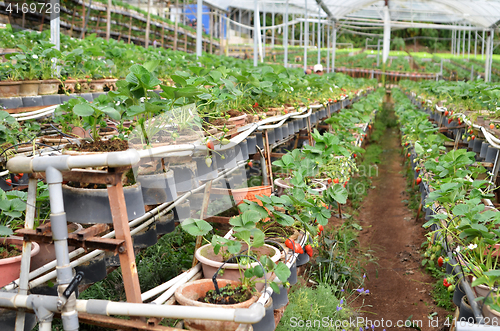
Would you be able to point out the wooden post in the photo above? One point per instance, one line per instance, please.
(130, 29)
(176, 26)
(41, 25)
(72, 22)
(122, 231)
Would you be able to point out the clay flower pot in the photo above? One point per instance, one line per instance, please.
(48, 86)
(189, 293)
(11, 267)
(9, 89)
(211, 262)
(29, 88)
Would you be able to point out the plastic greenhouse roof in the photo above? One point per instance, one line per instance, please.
(479, 13)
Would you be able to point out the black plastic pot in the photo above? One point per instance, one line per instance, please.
(185, 176)
(35, 101)
(484, 150)
(313, 118)
(251, 145)
(296, 125)
(8, 320)
(458, 294)
(466, 314)
(9, 103)
(259, 139)
(87, 96)
(491, 154)
(271, 136)
(241, 151)
(182, 211)
(94, 270)
(225, 159)
(54, 99)
(293, 274)
(158, 188)
(280, 299)
(302, 259)
(205, 172)
(267, 323)
(165, 224)
(284, 131)
(91, 206)
(145, 238)
(65, 98)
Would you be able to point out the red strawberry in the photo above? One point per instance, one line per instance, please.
(419, 180)
(492, 126)
(450, 120)
(288, 243)
(440, 261)
(473, 137)
(309, 250)
(446, 113)
(9, 181)
(336, 180)
(409, 154)
(330, 100)
(329, 180)
(320, 228)
(210, 145)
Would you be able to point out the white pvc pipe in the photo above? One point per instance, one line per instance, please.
(165, 286)
(34, 112)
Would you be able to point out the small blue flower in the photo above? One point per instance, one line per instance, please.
(360, 290)
(367, 291)
(341, 301)
(339, 308)
(364, 275)
(342, 290)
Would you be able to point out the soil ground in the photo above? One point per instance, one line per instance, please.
(399, 287)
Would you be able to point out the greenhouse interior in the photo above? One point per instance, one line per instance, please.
(261, 165)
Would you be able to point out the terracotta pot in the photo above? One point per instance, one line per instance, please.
(189, 293)
(238, 121)
(250, 193)
(70, 85)
(9, 89)
(29, 88)
(11, 267)
(48, 86)
(231, 270)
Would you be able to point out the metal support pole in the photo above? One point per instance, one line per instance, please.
(306, 36)
(55, 23)
(264, 31)
(328, 28)
(256, 34)
(334, 45)
(148, 23)
(227, 35)
(293, 31)
(482, 46)
(59, 228)
(285, 35)
(468, 52)
(487, 62)
(240, 20)
(319, 35)
(472, 73)
(492, 32)
(458, 43)
(199, 27)
(475, 44)
(108, 20)
(452, 42)
(272, 24)
(463, 44)
(301, 34)
(378, 52)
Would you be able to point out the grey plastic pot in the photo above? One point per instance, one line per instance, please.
(145, 238)
(271, 136)
(251, 145)
(280, 299)
(296, 125)
(267, 323)
(259, 140)
(158, 188)
(94, 270)
(278, 134)
(15, 102)
(185, 176)
(313, 118)
(91, 206)
(491, 154)
(484, 150)
(284, 131)
(241, 151)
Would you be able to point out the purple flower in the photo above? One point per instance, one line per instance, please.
(364, 275)
(341, 301)
(367, 291)
(339, 308)
(360, 290)
(360, 329)
(342, 290)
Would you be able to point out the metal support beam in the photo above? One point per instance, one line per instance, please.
(482, 47)
(55, 22)
(487, 62)
(328, 28)
(387, 34)
(306, 36)
(272, 24)
(256, 32)
(199, 27)
(285, 35)
(334, 46)
(319, 35)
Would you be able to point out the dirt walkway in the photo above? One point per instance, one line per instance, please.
(399, 287)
